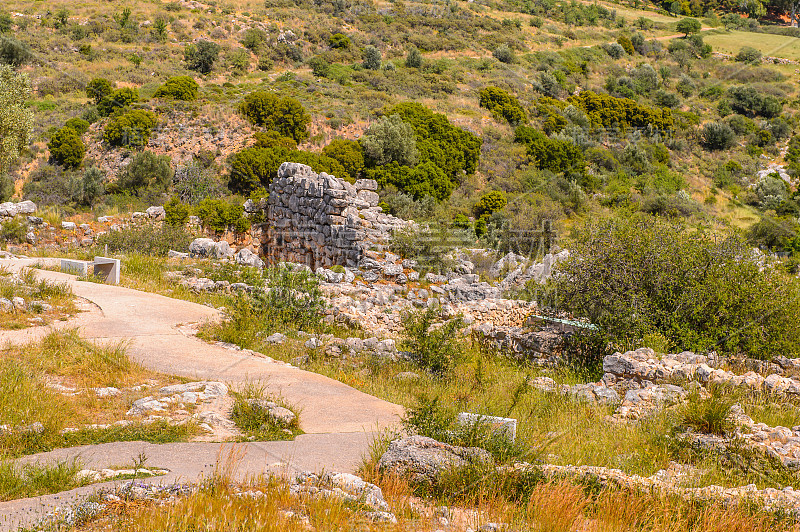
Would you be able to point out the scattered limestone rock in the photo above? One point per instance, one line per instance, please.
(108, 391)
(246, 257)
(207, 248)
(422, 459)
(280, 415)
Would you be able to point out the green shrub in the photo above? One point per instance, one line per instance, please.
(48, 185)
(5, 22)
(390, 139)
(221, 215)
(201, 56)
(194, 183)
(178, 88)
(294, 300)
(663, 98)
(502, 105)
(348, 153)
(176, 213)
(14, 231)
(461, 221)
(777, 234)
(450, 148)
(430, 246)
(431, 349)
(750, 102)
(372, 58)
(131, 129)
(265, 64)
(285, 115)
(118, 99)
(608, 112)
(550, 154)
(339, 40)
(425, 179)
(146, 173)
(89, 188)
(414, 58)
(238, 60)
(504, 54)
(490, 203)
(80, 125)
(254, 39)
(148, 239)
(748, 54)
(717, 136)
(320, 66)
(252, 168)
(614, 50)
(14, 52)
(626, 44)
(67, 148)
(640, 275)
(256, 167)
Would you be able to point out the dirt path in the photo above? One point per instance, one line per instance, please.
(339, 421)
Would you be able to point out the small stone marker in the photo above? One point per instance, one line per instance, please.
(498, 424)
(107, 269)
(77, 267)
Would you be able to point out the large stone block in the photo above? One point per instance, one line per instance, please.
(366, 184)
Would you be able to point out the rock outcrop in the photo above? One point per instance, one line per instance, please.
(422, 459)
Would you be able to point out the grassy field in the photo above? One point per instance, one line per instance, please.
(730, 42)
(31, 375)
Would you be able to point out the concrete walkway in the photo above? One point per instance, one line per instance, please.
(339, 421)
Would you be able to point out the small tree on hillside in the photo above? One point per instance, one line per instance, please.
(349, 153)
(390, 139)
(287, 116)
(16, 125)
(717, 136)
(372, 58)
(98, 88)
(414, 58)
(147, 172)
(688, 26)
(89, 187)
(201, 56)
(67, 148)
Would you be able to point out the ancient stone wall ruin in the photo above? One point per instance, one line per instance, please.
(320, 220)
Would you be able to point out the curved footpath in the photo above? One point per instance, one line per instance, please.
(339, 421)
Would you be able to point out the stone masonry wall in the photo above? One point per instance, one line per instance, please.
(320, 220)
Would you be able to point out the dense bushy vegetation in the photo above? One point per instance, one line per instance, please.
(66, 147)
(502, 105)
(642, 276)
(131, 128)
(287, 116)
(178, 88)
(419, 152)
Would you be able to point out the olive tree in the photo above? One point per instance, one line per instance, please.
(390, 139)
(16, 120)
